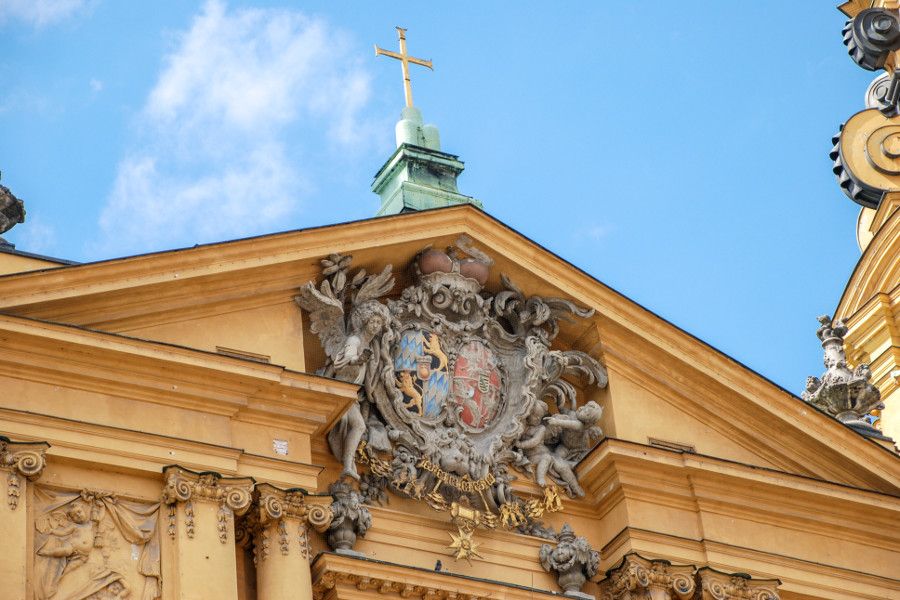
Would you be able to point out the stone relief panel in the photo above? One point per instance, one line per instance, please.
(460, 385)
(94, 545)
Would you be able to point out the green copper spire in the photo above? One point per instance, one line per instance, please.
(418, 175)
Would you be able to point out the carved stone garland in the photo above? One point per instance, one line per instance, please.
(20, 460)
(457, 385)
(232, 494)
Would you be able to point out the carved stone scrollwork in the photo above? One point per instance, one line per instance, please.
(288, 511)
(459, 385)
(183, 486)
(715, 585)
(20, 460)
(572, 560)
(846, 395)
(638, 577)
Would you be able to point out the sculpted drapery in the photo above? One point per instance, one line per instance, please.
(92, 545)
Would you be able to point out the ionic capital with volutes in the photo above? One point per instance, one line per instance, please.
(20, 460)
(716, 585)
(183, 486)
(277, 507)
(639, 577)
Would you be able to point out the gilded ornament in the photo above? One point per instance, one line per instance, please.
(463, 546)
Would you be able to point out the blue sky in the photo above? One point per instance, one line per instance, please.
(676, 151)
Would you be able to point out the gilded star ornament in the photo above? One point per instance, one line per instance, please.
(464, 546)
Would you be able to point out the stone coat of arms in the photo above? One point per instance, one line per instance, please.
(458, 385)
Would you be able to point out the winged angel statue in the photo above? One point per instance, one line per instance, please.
(457, 385)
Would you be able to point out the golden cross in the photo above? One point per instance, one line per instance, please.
(404, 59)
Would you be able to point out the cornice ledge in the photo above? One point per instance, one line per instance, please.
(181, 264)
(330, 571)
(20, 460)
(312, 401)
(603, 457)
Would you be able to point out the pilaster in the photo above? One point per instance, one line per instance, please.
(281, 541)
(20, 463)
(201, 510)
(638, 577)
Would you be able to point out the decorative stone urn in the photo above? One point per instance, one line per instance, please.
(351, 517)
(846, 395)
(573, 561)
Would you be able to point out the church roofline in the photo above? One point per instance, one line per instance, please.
(11, 249)
(407, 215)
(17, 290)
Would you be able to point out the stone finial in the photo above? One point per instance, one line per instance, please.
(275, 507)
(572, 560)
(715, 585)
(20, 459)
(638, 577)
(232, 494)
(351, 518)
(12, 210)
(844, 394)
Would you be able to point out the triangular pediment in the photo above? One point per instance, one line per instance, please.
(666, 387)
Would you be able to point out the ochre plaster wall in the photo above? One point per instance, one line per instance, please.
(274, 331)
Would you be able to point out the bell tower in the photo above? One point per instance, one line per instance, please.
(866, 159)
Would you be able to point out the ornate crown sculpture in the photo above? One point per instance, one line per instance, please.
(457, 385)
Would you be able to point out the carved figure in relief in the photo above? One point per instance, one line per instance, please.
(94, 546)
(356, 345)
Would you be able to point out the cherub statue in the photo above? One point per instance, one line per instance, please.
(577, 430)
(357, 344)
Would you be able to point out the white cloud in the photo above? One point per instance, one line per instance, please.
(35, 235)
(213, 158)
(39, 12)
(96, 85)
(595, 232)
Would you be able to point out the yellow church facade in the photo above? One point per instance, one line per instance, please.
(180, 383)
(426, 405)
